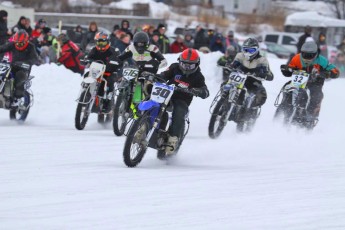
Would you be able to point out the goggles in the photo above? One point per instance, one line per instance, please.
(187, 66)
(140, 44)
(250, 50)
(308, 56)
(101, 43)
(20, 44)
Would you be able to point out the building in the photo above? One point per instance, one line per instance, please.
(260, 7)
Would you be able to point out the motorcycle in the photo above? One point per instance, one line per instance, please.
(293, 100)
(233, 103)
(21, 111)
(93, 92)
(129, 95)
(151, 129)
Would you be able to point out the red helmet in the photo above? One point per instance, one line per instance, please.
(189, 61)
(21, 40)
(102, 41)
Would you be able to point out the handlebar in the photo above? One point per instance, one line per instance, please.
(252, 75)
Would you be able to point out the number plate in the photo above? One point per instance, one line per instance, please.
(237, 79)
(299, 79)
(130, 73)
(4, 68)
(161, 92)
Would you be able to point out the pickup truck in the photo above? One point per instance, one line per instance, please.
(288, 40)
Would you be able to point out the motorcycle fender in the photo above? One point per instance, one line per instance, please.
(89, 80)
(147, 105)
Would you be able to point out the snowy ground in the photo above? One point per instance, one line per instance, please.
(55, 177)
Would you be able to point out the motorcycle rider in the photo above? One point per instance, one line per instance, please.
(227, 59)
(319, 69)
(144, 53)
(252, 62)
(185, 74)
(22, 55)
(102, 51)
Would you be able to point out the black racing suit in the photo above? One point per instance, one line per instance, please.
(182, 100)
(19, 57)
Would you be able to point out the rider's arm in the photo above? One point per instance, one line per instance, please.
(33, 56)
(200, 89)
(263, 69)
(328, 67)
(7, 47)
(127, 53)
(156, 54)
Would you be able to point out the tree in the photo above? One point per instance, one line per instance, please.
(338, 7)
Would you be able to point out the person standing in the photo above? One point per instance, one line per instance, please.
(164, 43)
(303, 38)
(5, 33)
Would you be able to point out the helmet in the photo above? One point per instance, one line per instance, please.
(102, 41)
(63, 38)
(231, 51)
(309, 52)
(141, 42)
(189, 61)
(21, 40)
(250, 48)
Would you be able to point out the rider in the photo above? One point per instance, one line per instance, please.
(106, 53)
(147, 56)
(318, 66)
(185, 74)
(228, 58)
(22, 55)
(251, 61)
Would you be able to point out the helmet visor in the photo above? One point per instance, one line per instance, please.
(308, 56)
(140, 44)
(250, 50)
(101, 43)
(20, 44)
(187, 66)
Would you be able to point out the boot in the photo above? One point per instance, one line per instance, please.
(106, 106)
(172, 145)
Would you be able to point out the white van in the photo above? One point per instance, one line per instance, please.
(288, 40)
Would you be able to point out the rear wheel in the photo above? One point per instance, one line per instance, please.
(82, 114)
(121, 115)
(218, 119)
(21, 112)
(135, 146)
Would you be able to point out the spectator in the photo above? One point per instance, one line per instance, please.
(21, 25)
(341, 46)
(113, 37)
(126, 28)
(217, 44)
(302, 39)
(41, 23)
(123, 42)
(340, 63)
(201, 38)
(230, 41)
(47, 53)
(154, 40)
(164, 43)
(89, 38)
(5, 33)
(70, 54)
(178, 45)
(76, 35)
(151, 30)
(28, 26)
(323, 45)
(188, 40)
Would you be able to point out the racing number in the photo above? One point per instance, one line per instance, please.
(161, 92)
(237, 78)
(298, 79)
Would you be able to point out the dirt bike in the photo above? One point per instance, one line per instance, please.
(129, 95)
(151, 129)
(21, 111)
(228, 105)
(293, 100)
(91, 97)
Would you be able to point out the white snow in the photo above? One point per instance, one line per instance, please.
(55, 177)
(321, 7)
(313, 19)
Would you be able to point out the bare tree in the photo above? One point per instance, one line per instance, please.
(338, 7)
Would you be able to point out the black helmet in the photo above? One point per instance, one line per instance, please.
(63, 38)
(250, 48)
(309, 52)
(231, 51)
(141, 42)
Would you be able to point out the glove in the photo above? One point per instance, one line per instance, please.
(226, 87)
(286, 71)
(147, 75)
(196, 92)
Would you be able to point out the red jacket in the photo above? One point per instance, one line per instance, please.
(176, 47)
(70, 57)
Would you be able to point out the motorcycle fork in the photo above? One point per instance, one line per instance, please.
(156, 123)
(232, 100)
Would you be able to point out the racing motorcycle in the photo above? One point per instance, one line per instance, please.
(151, 129)
(233, 102)
(93, 92)
(21, 111)
(293, 100)
(129, 95)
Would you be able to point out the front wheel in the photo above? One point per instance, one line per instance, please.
(218, 120)
(21, 113)
(135, 145)
(120, 115)
(82, 114)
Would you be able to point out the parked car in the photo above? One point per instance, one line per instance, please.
(70, 27)
(288, 40)
(279, 50)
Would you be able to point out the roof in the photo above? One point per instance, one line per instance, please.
(313, 19)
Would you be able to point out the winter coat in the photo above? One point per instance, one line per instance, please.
(194, 80)
(28, 56)
(3, 30)
(301, 41)
(70, 57)
(120, 45)
(177, 47)
(164, 44)
(18, 26)
(201, 39)
(88, 39)
(108, 57)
